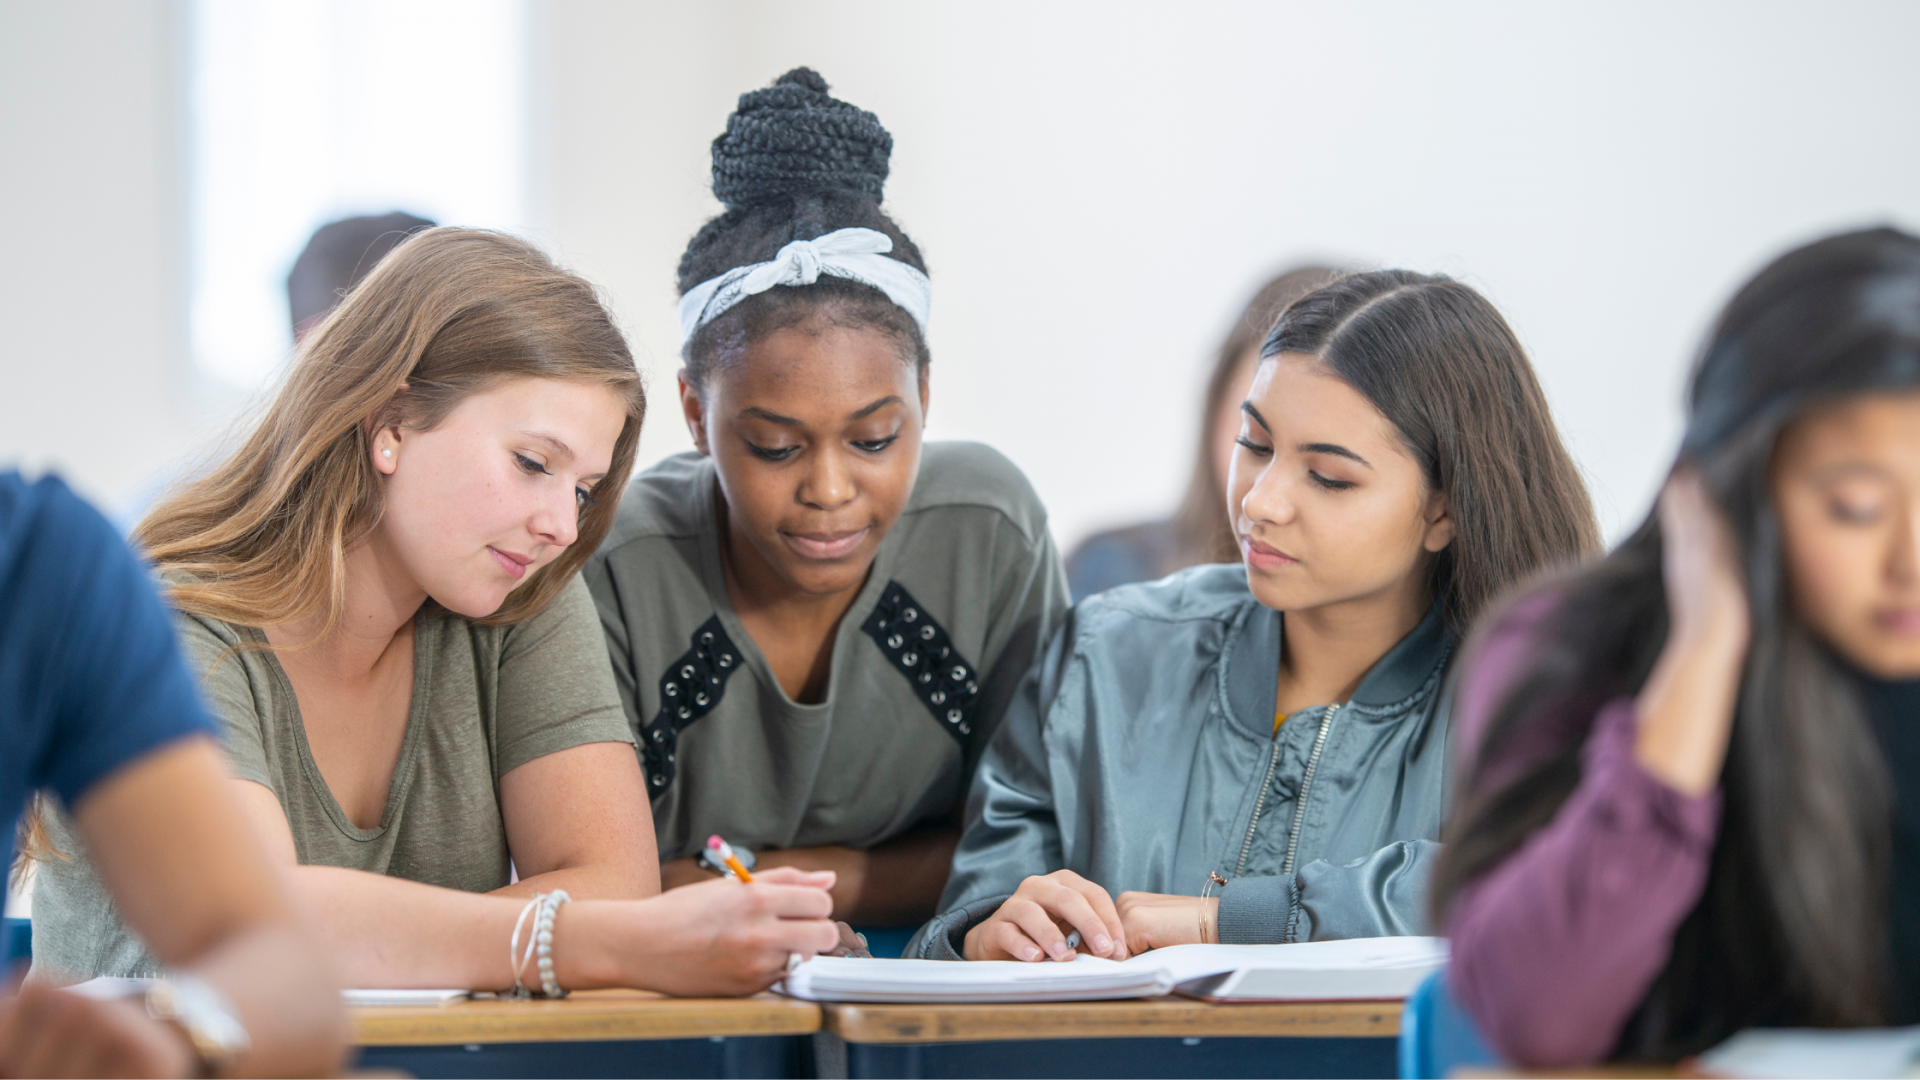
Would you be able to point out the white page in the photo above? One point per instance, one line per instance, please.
(107, 987)
(1797, 1052)
(1089, 978)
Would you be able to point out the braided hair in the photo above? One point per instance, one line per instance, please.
(795, 163)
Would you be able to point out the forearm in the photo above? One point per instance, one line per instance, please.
(389, 932)
(590, 882)
(286, 998)
(1600, 891)
(896, 883)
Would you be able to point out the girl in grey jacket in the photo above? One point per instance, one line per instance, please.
(1256, 752)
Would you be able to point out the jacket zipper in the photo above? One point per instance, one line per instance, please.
(1306, 789)
(1260, 804)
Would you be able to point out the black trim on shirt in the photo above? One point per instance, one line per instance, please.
(919, 648)
(689, 690)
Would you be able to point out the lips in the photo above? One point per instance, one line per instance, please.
(825, 546)
(514, 564)
(1902, 622)
(1261, 557)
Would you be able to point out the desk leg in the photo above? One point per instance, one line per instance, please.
(829, 1056)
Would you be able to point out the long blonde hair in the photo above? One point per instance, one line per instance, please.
(262, 539)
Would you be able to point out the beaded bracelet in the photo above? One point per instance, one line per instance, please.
(543, 937)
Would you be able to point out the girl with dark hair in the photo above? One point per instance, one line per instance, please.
(815, 619)
(1280, 726)
(1691, 798)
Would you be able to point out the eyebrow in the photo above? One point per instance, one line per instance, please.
(1305, 448)
(771, 417)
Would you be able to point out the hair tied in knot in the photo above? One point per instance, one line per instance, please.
(855, 254)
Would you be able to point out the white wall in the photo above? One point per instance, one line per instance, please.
(93, 375)
(1097, 187)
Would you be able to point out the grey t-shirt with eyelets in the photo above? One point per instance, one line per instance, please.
(486, 700)
(964, 590)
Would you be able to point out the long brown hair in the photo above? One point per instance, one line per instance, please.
(1791, 928)
(1438, 360)
(262, 539)
(1202, 528)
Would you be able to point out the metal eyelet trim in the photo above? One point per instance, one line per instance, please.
(919, 648)
(688, 691)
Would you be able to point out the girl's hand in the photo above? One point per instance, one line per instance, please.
(1706, 595)
(1156, 920)
(1029, 925)
(718, 938)
(1686, 708)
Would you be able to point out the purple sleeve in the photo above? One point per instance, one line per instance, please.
(1554, 948)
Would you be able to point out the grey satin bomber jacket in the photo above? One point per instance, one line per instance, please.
(1140, 753)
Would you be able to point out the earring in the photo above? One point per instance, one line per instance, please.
(386, 453)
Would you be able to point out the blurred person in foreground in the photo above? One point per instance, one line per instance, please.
(1199, 531)
(97, 709)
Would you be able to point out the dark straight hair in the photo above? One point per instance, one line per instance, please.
(1792, 926)
(1443, 366)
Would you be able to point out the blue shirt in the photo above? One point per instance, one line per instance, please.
(90, 675)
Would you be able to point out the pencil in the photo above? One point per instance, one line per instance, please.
(724, 852)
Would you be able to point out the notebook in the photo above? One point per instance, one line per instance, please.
(1360, 969)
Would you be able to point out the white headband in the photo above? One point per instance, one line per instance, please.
(856, 254)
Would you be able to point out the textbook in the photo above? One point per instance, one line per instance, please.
(1793, 1052)
(1360, 969)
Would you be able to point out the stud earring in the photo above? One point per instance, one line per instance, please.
(385, 453)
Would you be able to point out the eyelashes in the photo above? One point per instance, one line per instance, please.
(782, 453)
(1326, 483)
(583, 497)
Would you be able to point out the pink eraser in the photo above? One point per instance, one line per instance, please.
(715, 842)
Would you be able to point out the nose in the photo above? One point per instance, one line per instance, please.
(1904, 564)
(829, 483)
(556, 519)
(1268, 501)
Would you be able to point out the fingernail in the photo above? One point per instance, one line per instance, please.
(1103, 943)
(1029, 953)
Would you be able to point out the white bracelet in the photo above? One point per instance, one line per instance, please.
(543, 937)
(517, 960)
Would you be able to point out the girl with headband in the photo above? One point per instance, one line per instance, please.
(1255, 753)
(1690, 787)
(815, 619)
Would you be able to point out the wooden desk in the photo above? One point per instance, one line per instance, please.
(588, 1016)
(1148, 1037)
(1176, 1018)
(592, 1033)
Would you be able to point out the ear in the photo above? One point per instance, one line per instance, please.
(695, 410)
(1439, 524)
(383, 442)
(383, 445)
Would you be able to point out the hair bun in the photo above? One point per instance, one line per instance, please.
(793, 138)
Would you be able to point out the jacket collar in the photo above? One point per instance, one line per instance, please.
(1251, 668)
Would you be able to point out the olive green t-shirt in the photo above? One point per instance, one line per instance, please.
(486, 700)
(964, 589)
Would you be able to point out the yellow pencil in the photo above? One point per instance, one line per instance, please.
(724, 852)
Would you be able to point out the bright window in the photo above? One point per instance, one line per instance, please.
(307, 111)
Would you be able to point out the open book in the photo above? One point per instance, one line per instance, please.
(1361, 969)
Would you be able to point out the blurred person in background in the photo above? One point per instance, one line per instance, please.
(1199, 531)
(336, 257)
(98, 711)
